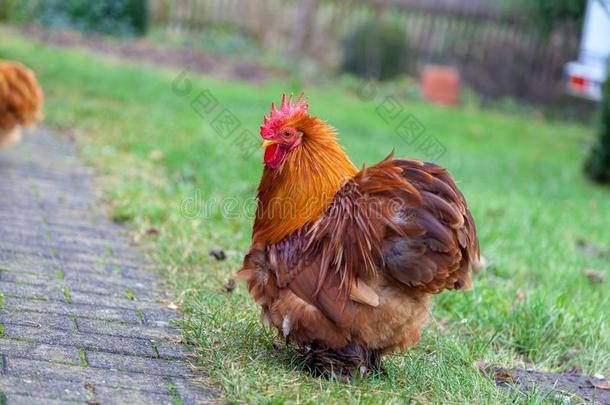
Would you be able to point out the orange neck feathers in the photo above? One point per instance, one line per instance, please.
(300, 190)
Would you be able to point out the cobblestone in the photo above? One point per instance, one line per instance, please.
(80, 316)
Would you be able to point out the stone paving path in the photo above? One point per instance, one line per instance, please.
(79, 316)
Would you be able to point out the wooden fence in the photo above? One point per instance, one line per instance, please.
(497, 54)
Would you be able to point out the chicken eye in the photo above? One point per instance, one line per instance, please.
(286, 133)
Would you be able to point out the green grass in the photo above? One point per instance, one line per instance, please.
(67, 294)
(59, 273)
(176, 400)
(130, 295)
(521, 176)
(82, 355)
(65, 362)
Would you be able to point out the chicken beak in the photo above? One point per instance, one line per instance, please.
(267, 142)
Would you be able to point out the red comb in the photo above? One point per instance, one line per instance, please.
(288, 109)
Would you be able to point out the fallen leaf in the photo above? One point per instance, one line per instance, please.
(500, 374)
(602, 385)
(230, 286)
(218, 254)
(567, 357)
(156, 155)
(152, 232)
(503, 375)
(572, 351)
(595, 277)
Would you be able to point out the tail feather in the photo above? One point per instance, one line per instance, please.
(443, 255)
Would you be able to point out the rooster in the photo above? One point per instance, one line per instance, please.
(20, 101)
(344, 262)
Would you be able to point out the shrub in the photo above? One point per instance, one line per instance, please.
(597, 165)
(17, 10)
(138, 12)
(546, 13)
(7, 9)
(116, 17)
(377, 50)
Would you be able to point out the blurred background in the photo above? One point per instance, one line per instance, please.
(164, 98)
(501, 49)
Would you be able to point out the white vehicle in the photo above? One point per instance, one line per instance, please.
(584, 77)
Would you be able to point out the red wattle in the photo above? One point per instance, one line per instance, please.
(274, 156)
(270, 152)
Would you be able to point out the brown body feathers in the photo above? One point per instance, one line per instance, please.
(20, 101)
(348, 270)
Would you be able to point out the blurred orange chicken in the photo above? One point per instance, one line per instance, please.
(344, 262)
(20, 101)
